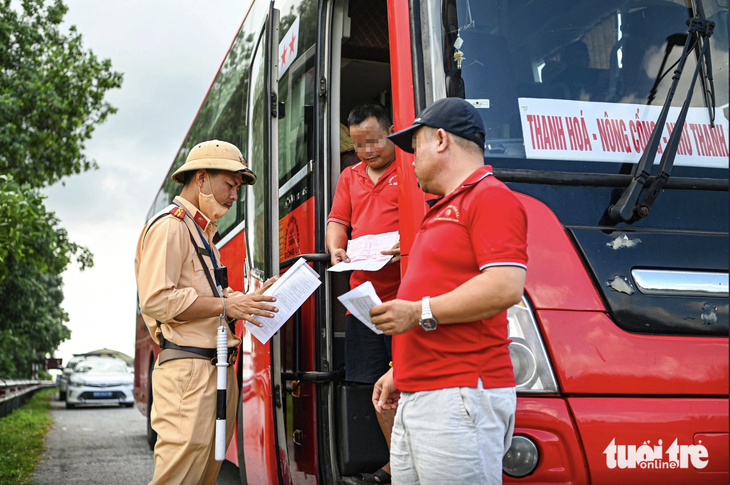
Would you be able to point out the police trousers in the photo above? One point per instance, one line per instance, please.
(183, 415)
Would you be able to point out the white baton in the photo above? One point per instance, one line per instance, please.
(222, 365)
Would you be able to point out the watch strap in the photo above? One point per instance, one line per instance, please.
(426, 308)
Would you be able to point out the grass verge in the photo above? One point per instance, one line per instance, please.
(21, 438)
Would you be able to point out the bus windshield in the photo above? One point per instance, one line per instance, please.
(580, 80)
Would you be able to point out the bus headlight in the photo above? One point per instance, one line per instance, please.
(533, 372)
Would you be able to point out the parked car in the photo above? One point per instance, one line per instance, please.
(63, 377)
(99, 381)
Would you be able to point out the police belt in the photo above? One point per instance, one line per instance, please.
(171, 351)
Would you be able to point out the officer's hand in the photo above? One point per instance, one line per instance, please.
(394, 251)
(385, 395)
(396, 316)
(266, 286)
(339, 255)
(243, 307)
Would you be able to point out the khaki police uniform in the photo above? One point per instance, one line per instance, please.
(170, 277)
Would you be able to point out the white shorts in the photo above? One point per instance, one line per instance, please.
(451, 436)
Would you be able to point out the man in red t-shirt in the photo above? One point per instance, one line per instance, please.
(366, 202)
(452, 379)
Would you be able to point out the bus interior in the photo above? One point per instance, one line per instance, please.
(360, 72)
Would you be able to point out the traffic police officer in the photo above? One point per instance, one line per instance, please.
(178, 269)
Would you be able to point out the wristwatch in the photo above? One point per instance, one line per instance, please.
(427, 321)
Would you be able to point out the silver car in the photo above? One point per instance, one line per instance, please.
(100, 381)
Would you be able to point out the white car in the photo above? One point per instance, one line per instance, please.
(100, 381)
(65, 373)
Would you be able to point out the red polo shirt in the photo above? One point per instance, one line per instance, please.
(369, 208)
(479, 225)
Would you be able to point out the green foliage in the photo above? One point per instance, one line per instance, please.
(34, 251)
(21, 438)
(51, 94)
(51, 99)
(30, 235)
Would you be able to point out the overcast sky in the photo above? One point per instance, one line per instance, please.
(169, 52)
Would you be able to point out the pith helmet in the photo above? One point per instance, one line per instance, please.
(215, 155)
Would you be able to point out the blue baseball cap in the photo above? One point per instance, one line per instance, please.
(454, 115)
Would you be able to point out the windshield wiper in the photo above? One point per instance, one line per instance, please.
(627, 209)
(672, 40)
(706, 79)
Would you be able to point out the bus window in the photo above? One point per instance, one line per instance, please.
(569, 56)
(296, 127)
(227, 103)
(257, 194)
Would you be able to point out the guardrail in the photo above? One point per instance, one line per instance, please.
(14, 393)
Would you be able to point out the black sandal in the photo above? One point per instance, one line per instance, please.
(380, 476)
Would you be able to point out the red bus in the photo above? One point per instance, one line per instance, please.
(620, 347)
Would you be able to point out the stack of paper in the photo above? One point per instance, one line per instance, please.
(359, 302)
(291, 290)
(364, 252)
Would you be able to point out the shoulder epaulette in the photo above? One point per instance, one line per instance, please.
(178, 212)
(172, 210)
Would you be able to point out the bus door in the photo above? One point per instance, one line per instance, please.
(301, 363)
(331, 56)
(259, 453)
(357, 66)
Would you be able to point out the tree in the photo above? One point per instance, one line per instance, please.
(51, 99)
(34, 251)
(51, 94)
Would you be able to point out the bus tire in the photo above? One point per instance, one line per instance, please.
(151, 433)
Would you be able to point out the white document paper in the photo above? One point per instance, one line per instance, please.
(291, 290)
(359, 302)
(364, 252)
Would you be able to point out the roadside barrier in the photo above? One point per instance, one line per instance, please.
(14, 393)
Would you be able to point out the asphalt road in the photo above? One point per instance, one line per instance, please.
(101, 445)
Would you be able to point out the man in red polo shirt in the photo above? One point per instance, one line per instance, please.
(452, 378)
(366, 202)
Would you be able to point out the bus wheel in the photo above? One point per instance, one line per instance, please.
(151, 433)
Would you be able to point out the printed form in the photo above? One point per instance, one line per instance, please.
(291, 290)
(364, 252)
(359, 301)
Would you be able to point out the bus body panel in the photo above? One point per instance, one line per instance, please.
(592, 355)
(257, 404)
(548, 422)
(657, 429)
(297, 236)
(635, 309)
(412, 206)
(565, 285)
(301, 409)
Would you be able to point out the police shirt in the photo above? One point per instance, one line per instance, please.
(170, 277)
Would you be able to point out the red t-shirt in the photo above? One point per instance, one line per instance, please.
(369, 209)
(481, 224)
